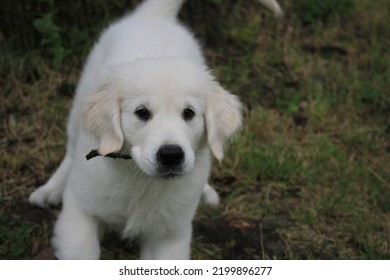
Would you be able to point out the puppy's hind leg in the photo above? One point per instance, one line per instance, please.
(210, 195)
(52, 191)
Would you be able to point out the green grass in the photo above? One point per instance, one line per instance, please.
(308, 176)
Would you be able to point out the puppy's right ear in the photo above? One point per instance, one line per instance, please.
(101, 116)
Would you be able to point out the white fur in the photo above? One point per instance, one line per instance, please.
(146, 60)
(273, 5)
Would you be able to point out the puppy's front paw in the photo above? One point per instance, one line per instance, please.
(45, 195)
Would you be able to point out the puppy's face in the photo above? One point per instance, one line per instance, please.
(164, 112)
(164, 127)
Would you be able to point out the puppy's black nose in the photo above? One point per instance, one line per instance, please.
(170, 155)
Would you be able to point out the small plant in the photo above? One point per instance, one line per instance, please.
(51, 37)
(311, 11)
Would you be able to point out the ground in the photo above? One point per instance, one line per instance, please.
(306, 178)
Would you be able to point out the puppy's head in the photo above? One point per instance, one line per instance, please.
(164, 111)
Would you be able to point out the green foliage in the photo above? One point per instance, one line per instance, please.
(311, 11)
(274, 163)
(14, 243)
(289, 102)
(51, 35)
(51, 38)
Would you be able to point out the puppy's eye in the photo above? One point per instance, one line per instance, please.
(188, 114)
(143, 114)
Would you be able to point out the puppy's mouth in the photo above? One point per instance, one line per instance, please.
(168, 173)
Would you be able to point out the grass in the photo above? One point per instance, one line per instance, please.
(307, 178)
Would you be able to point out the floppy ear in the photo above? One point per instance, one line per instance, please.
(102, 117)
(223, 118)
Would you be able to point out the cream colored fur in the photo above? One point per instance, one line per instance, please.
(146, 60)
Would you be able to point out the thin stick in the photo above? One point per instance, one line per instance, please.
(95, 153)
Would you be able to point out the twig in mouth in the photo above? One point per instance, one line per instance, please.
(95, 153)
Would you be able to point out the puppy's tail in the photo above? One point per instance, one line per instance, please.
(272, 5)
(169, 9)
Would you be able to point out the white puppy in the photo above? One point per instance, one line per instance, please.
(144, 91)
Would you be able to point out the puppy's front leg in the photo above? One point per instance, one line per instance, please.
(76, 234)
(173, 246)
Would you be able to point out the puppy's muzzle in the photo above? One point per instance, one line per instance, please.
(170, 159)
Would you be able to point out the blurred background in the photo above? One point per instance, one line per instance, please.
(308, 177)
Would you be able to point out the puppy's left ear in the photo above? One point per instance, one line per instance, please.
(223, 118)
(102, 117)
